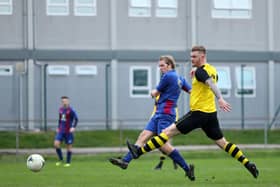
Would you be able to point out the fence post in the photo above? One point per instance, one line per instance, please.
(265, 133)
(20, 69)
(242, 96)
(120, 134)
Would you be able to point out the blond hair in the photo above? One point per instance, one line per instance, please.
(169, 60)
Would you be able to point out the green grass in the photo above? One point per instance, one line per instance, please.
(110, 138)
(212, 168)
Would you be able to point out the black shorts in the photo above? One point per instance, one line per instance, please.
(208, 122)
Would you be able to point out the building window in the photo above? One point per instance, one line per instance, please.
(58, 70)
(6, 70)
(85, 7)
(166, 8)
(86, 70)
(239, 9)
(158, 76)
(140, 81)
(224, 80)
(6, 7)
(246, 81)
(140, 8)
(57, 7)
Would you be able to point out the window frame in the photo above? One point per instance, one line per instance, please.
(133, 88)
(49, 4)
(158, 74)
(91, 5)
(251, 88)
(8, 4)
(53, 71)
(4, 72)
(228, 84)
(160, 7)
(148, 7)
(86, 70)
(231, 10)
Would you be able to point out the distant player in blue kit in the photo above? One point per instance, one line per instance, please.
(67, 123)
(166, 93)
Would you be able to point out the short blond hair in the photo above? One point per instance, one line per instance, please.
(199, 48)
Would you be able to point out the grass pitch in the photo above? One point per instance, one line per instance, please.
(114, 138)
(212, 168)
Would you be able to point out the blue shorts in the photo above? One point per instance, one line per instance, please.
(67, 137)
(159, 122)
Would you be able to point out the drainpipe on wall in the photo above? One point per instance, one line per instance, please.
(30, 66)
(271, 66)
(114, 65)
(43, 68)
(193, 23)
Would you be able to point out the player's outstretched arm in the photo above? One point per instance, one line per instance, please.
(225, 106)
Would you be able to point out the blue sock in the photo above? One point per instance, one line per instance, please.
(59, 153)
(127, 158)
(176, 157)
(69, 155)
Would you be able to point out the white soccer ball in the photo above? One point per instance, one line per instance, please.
(35, 162)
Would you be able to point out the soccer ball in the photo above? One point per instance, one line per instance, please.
(35, 162)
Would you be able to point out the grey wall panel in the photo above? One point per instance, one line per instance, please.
(37, 94)
(72, 32)
(87, 94)
(12, 32)
(10, 93)
(232, 34)
(276, 25)
(277, 85)
(9, 97)
(152, 32)
(252, 108)
(132, 109)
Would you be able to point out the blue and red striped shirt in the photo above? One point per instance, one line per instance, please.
(67, 118)
(170, 87)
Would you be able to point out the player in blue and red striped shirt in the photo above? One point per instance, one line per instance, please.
(67, 123)
(168, 92)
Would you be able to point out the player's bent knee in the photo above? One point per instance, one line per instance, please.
(56, 144)
(171, 131)
(221, 142)
(144, 136)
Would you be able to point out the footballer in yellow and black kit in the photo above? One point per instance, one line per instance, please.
(203, 113)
